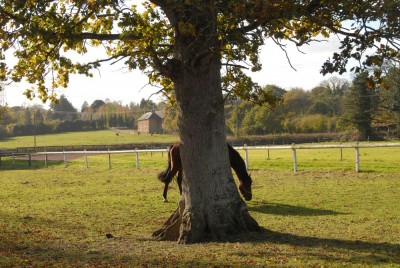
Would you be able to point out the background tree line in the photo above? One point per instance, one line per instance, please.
(63, 117)
(356, 108)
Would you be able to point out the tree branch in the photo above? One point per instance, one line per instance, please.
(284, 50)
(101, 37)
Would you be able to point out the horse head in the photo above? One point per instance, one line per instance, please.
(245, 188)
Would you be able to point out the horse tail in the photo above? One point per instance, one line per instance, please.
(165, 176)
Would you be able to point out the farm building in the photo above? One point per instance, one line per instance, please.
(151, 122)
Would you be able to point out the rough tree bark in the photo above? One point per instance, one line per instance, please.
(210, 207)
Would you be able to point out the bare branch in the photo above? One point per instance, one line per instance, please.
(284, 50)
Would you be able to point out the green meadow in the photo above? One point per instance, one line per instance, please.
(102, 137)
(325, 215)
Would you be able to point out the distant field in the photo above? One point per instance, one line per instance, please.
(86, 138)
(59, 217)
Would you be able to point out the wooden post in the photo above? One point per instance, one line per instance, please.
(357, 158)
(30, 160)
(86, 160)
(294, 158)
(13, 159)
(268, 153)
(109, 159)
(137, 159)
(65, 159)
(341, 152)
(45, 158)
(246, 153)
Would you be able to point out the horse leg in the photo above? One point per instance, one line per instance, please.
(179, 181)
(165, 191)
(166, 176)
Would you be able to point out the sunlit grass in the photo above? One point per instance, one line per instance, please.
(323, 215)
(60, 217)
(101, 137)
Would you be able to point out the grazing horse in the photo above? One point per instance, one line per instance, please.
(175, 166)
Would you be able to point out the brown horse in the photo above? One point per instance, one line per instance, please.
(175, 166)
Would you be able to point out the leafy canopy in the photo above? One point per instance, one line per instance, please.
(45, 36)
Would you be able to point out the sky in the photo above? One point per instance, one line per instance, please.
(116, 83)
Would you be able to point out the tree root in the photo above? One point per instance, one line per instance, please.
(171, 229)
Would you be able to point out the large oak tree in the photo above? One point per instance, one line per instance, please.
(193, 49)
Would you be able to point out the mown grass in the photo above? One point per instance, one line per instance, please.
(323, 215)
(101, 137)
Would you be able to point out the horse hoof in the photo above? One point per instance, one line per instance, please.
(165, 200)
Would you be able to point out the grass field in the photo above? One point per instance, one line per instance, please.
(85, 138)
(59, 217)
(325, 215)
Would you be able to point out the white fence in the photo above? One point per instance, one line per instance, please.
(295, 147)
(246, 149)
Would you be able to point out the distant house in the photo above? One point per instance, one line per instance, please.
(151, 122)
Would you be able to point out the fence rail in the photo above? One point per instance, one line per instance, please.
(85, 153)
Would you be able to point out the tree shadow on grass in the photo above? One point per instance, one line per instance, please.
(361, 251)
(17, 246)
(329, 249)
(289, 210)
(345, 252)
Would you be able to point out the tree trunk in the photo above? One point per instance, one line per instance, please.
(210, 207)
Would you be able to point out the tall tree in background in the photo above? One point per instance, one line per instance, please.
(361, 105)
(84, 107)
(96, 105)
(328, 96)
(183, 46)
(170, 122)
(298, 100)
(147, 105)
(63, 109)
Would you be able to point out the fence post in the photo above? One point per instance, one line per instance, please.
(341, 152)
(357, 158)
(246, 153)
(268, 152)
(109, 159)
(30, 160)
(13, 159)
(45, 159)
(294, 158)
(86, 160)
(65, 159)
(137, 158)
